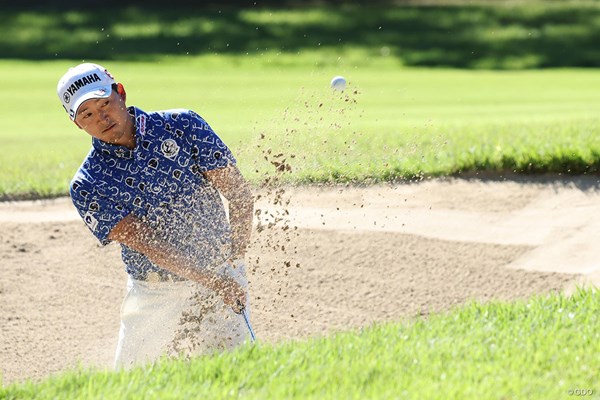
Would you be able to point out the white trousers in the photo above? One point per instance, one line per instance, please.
(177, 319)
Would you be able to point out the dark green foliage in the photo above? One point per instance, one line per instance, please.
(498, 36)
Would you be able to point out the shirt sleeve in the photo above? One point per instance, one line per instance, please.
(208, 149)
(99, 213)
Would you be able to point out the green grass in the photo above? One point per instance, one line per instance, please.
(531, 349)
(263, 73)
(394, 122)
(466, 34)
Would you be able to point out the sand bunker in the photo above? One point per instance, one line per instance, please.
(344, 257)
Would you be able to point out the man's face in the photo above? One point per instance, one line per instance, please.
(106, 119)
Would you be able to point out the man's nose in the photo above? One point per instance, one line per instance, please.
(103, 115)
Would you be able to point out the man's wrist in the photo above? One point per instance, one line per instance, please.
(220, 283)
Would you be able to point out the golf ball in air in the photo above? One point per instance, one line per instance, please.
(338, 83)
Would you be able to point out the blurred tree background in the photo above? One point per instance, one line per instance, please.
(460, 34)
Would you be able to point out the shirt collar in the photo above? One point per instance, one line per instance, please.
(114, 150)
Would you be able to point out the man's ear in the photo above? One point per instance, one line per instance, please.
(76, 123)
(121, 91)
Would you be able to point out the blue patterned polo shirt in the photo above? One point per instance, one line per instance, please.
(161, 182)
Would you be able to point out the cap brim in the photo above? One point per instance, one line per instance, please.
(98, 93)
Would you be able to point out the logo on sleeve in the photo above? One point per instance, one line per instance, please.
(90, 221)
(169, 148)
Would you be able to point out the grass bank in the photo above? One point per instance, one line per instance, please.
(541, 348)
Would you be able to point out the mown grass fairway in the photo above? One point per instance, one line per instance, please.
(543, 348)
(254, 71)
(391, 123)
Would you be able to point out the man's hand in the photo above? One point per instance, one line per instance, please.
(233, 294)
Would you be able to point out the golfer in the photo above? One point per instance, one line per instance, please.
(152, 182)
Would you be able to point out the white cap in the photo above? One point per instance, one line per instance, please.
(83, 82)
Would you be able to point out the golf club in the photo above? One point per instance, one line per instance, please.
(245, 315)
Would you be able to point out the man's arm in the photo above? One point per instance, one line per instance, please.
(137, 235)
(232, 185)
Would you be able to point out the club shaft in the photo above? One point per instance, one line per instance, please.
(245, 315)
